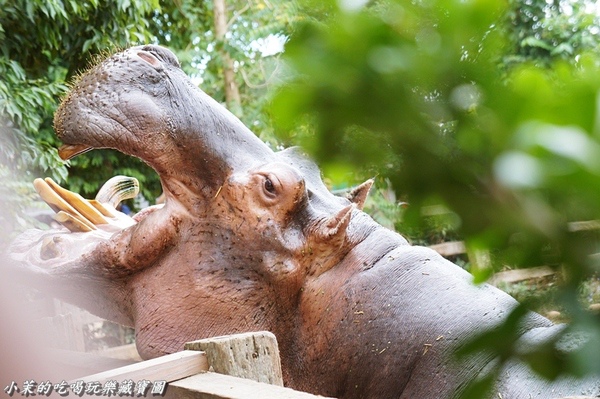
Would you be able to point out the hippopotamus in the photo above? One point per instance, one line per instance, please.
(251, 239)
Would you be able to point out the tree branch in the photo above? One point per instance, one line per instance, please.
(237, 14)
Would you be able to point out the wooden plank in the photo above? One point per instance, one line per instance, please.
(252, 355)
(514, 276)
(168, 368)
(218, 386)
(450, 248)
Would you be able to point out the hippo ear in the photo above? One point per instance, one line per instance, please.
(327, 241)
(333, 230)
(358, 195)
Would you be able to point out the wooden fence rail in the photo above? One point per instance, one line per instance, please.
(243, 366)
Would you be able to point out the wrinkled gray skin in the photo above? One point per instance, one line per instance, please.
(251, 239)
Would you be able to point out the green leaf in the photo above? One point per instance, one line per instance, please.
(535, 42)
(563, 48)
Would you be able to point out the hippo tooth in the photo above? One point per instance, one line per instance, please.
(118, 189)
(73, 223)
(50, 248)
(63, 207)
(101, 208)
(81, 215)
(78, 202)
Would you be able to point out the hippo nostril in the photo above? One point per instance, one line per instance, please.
(149, 58)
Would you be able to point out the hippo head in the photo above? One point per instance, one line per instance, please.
(141, 103)
(243, 232)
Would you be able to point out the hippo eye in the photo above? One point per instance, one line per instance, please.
(269, 187)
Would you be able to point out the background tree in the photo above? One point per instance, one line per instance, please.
(42, 45)
(255, 29)
(232, 93)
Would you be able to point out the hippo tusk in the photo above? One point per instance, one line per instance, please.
(78, 202)
(81, 215)
(118, 189)
(101, 208)
(60, 204)
(68, 151)
(72, 223)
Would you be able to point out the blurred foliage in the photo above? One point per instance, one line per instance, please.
(439, 225)
(542, 32)
(489, 110)
(16, 195)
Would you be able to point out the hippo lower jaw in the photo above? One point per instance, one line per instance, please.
(64, 261)
(85, 223)
(50, 259)
(56, 262)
